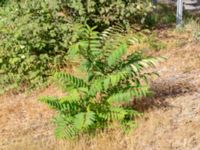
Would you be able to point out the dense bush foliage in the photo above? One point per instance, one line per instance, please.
(113, 76)
(2, 2)
(35, 35)
(34, 39)
(108, 12)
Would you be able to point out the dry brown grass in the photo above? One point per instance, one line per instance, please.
(171, 118)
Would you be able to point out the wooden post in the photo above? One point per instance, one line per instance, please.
(179, 13)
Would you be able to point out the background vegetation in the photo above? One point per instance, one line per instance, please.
(34, 41)
(104, 13)
(35, 35)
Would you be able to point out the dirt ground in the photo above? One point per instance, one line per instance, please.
(171, 118)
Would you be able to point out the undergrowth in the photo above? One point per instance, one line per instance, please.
(36, 35)
(34, 40)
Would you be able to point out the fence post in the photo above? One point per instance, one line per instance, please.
(179, 13)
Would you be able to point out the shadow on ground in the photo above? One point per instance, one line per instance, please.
(163, 89)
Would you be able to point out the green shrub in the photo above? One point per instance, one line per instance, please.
(104, 13)
(112, 78)
(34, 40)
(35, 35)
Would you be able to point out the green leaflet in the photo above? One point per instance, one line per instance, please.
(117, 54)
(114, 113)
(108, 82)
(126, 96)
(70, 80)
(84, 120)
(65, 127)
(63, 104)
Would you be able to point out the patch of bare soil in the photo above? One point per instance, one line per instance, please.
(171, 118)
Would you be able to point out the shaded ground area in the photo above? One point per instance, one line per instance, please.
(171, 118)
